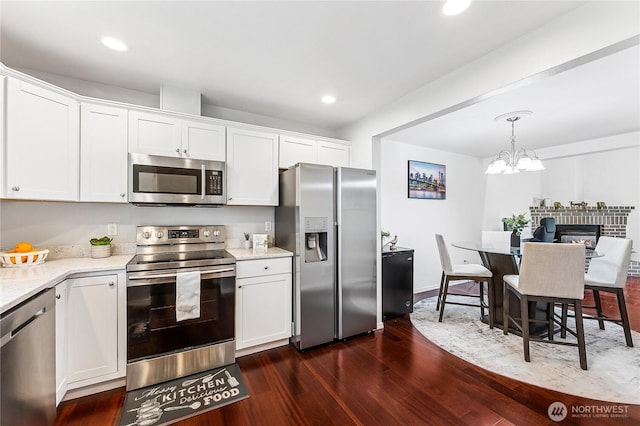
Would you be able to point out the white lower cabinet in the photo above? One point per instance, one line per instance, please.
(263, 303)
(90, 335)
(61, 341)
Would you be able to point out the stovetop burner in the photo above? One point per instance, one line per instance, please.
(179, 247)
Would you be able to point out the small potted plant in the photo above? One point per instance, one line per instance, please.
(246, 243)
(515, 224)
(100, 247)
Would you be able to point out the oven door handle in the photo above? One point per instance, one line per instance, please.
(173, 275)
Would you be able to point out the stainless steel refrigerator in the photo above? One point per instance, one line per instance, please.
(327, 218)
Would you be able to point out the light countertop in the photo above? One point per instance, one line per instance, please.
(19, 284)
(250, 253)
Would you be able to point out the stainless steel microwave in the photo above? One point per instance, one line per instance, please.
(168, 181)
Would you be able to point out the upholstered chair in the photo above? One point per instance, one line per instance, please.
(546, 232)
(609, 274)
(460, 272)
(552, 274)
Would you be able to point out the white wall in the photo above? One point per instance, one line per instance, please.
(47, 224)
(135, 97)
(416, 221)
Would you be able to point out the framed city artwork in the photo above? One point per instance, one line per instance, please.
(427, 180)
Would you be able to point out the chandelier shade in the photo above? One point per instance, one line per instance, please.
(514, 161)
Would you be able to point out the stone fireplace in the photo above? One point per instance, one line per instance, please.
(608, 221)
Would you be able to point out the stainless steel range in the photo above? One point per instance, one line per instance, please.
(180, 303)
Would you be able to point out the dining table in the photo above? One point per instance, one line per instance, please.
(503, 261)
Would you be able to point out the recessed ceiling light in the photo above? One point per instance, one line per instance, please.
(328, 99)
(114, 43)
(455, 7)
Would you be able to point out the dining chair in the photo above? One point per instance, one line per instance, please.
(609, 274)
(552, 274)
(464, 271)
(546, 232)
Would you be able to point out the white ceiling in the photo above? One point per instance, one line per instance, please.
(278, 58)
(273, 58)
(598, 99)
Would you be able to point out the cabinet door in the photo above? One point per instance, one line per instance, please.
(252, 168)
(264, 310)
(156, 134)
(2, 133)
(92, 327)
(103, 148)
(61, 341)
(42, 131)
(333, 154)
(295, 150)
(203, 141)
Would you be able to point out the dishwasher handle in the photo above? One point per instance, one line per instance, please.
(12, 324)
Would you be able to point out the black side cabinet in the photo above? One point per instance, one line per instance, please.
(397, 282)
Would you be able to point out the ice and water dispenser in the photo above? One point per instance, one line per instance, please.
(315, 239)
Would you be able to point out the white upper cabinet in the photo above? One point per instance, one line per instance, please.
(294, 149)
(42, 143)
(252, 168)
(334, 154)
(156, 134)
(2, 133)
(103, 148)
(203, 141)
(163, 134)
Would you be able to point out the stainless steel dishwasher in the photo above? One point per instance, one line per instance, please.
(27, 362)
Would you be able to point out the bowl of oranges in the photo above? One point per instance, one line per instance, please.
(23, 254)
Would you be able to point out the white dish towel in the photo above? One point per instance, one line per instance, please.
(187, 295)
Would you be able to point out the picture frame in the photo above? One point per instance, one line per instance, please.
(427, 181)
(260, 241)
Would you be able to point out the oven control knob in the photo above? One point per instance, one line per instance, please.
(146, 235)
(216, 233)
(159, 235)
(206, 234)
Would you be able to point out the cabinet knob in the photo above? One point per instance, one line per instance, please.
(58, 296)
(15, 188)
(111, 283)
(122, 194)
(266, 268)
(185, 151)
(178, 150)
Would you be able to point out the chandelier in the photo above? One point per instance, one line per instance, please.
(509, 162)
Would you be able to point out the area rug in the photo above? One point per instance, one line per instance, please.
(179, 399)
(614, 368)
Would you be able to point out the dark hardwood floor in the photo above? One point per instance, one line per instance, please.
(391, 377)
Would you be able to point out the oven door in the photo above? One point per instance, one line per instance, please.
(152, 329)
(156, 179)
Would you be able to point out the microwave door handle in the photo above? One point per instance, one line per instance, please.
(204, 182)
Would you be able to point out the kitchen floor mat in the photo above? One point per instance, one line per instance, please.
(189, 396)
